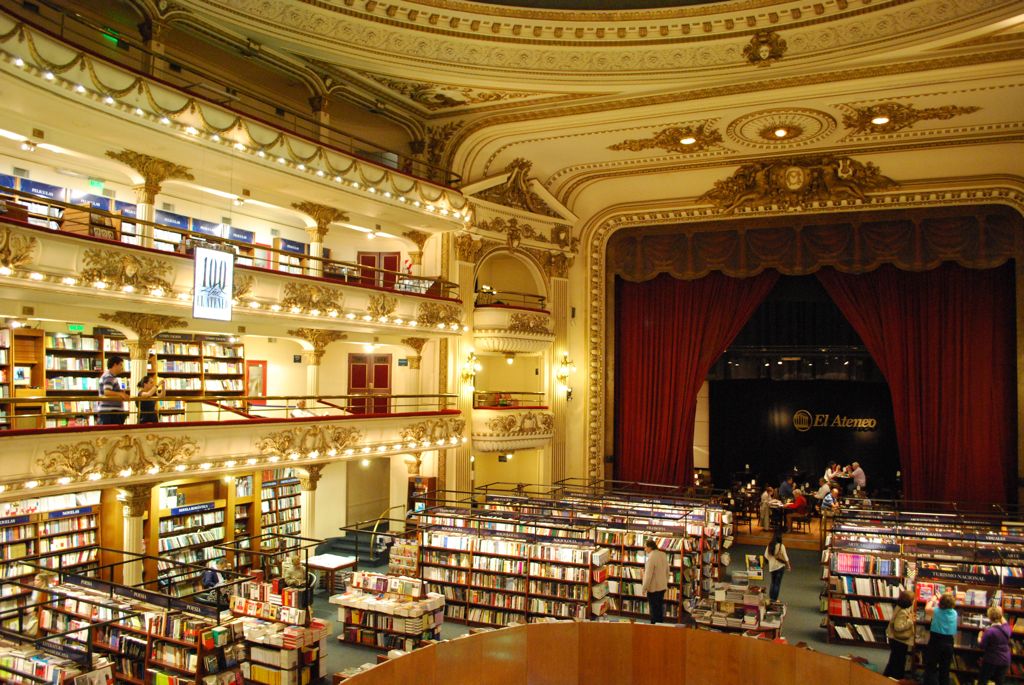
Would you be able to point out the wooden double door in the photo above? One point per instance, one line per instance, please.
(369, 374)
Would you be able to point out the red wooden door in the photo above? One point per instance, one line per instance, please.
(369, 374)
(379, 260)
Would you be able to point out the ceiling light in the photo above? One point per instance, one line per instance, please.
(275, 459)
(153, 470)
(157, 292)
(128, 288)
(320, 173)
(109, 100)
(19, 62)
(165, 121)
(6, 271)
(79, 88)
(215, 137)
(64, 480)
(413, 323)
(301, 167)
(254, 305)
(350, 316)
(48, 75)
(781, 133)
(95, 475)
(510, 358)
(275, 307)
(238, 201)
(295, 310)
(31, 484)
(180, 467)
(333, 313)
(184, 296)
(688, 140)
(281, 160)
(192, 130)
(28, 146)
(401, 198)
(206, 466)
(99, 285)
(355, 184)
(36, 276)
(364, 463)
(367, 317)
(371, 235)
(337, 179)
(261, 154)
(880, 120)
(139, 112)
(239, 146)
(125, 473)
(251, 460)
(69, 280)
(230, 463)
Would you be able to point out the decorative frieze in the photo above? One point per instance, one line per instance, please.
(434, 430)
(101, 457)
(522, 322)
(309, 297)
(16, 249)
(309, 441)
(121, 269)
(382, 306)
(438, 313)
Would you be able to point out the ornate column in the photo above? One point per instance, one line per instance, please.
(318, 106)
(414, 362)
(146, 327)
(152, 33)
(324, 216)
(420, 238)
(154, 172)
(319, 338)
(136, 500)
(557, 267)
(309, 476)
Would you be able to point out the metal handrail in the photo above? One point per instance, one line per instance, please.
(188, 239)
(489, 297)
(81, 33)
(485, 399)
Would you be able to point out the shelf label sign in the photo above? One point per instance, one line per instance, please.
(193, 608)
(13, 520)
(154, 598)
(193, 508)
(213, 281)
(78, 511)
(87, 582)
(960, 576)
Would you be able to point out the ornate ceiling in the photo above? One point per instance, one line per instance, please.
(618, 108)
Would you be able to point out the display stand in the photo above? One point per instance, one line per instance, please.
(737, 608)
(389, 612)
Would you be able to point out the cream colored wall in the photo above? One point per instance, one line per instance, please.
(284, 376)
(526, 466)
(522, 375)
(369, 489)
(701, 440)
(502, 271)
(331, 500)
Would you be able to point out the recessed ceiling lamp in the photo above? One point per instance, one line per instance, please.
(781, 132)
(688, 140)
(880, 120)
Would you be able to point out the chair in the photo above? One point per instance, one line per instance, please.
(802, 520)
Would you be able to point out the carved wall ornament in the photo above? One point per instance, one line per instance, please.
(323, 215)
(764, 48)
(308, 297)
(515, 192)
(126, 456)
(145, 326)
(557, 264)
(895, 116)
(322, 439)
(242, 286)
(136, 499)
(444, 428)
(309, 476)
(319, 338)
(527, 423)
(522, 322)
(418, 237)
(796, 182)
(16, 249)
(382, 305)
(119, 269)
(435, 96)
(684, 139)
(153, 170)
(434, 313)
(516, 231)
(437, 141)
(417, 345)
(467, 248)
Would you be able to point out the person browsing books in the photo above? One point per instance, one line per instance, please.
(938, 655)
(900, 633)
(110, 409)
(149, 389)
(995, 643)
(778, 563)
(655, 580)
(211, 576)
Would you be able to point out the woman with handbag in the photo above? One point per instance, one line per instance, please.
(900, 633)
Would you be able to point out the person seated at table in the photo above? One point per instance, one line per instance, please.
(797, 507)
(292, 572)
(764, 519)
(823, 489)
(832, 471)
(830, 504)
(212, 576)
(786, 489)
(859, 479)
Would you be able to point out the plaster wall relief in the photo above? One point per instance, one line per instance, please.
(120, 268)
(17, 249)
(681, 139)
(890, 117)
(128, 455)
(312, 441)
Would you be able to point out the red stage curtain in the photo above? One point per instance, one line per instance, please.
(944, 339)
(670, 332)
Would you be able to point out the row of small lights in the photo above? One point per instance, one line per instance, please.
(239, 146)
(782, 131)
(253, 304)
(252, 461)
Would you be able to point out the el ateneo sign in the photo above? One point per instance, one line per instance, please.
(804, 420)
(213, 283)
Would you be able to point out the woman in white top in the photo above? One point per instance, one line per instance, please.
(831, 471)
(778, 562)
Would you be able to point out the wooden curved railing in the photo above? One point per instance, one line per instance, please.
(568, 653)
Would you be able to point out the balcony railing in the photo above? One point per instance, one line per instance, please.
(31, 210)
(509, 400)
(87, 35)
(486, 297)
(81, 412)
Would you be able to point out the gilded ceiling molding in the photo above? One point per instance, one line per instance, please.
(319, 338)
(121, 268)
(764, 48)
(323, 215)
(417, 345)
(100, 458)
(419, 238)
(435, 430)
(311, 297)
(515, 192)
(683, 139)
(437, 140)
(522, 322)
(897, 116)
(796, 183)
(145, 326)
(525, 423)
(154, 171)
(438, 313)
(382, 306)
(16, 248)
(309, 441)
(309, 476)
(436, 96)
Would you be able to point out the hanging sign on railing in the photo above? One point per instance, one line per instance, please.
(213, 281)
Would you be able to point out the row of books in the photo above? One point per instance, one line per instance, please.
(172, 524)
(188, 539)
(848, 562)
(386, 583)
(68, 541)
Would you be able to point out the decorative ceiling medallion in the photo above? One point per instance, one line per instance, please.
(761, 130)
(764, 48)
(435, 96)
(693, 138)
(890, 117)
(796, 183)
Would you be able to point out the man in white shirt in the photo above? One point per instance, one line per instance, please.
(655, 580)
(300, 411)
(860, 479)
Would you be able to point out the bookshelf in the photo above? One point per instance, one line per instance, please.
(223, 367)
(280, 505)
(388, 612)
(74, 364)
(28, 377)
(495, 578)
(179, 365)
(740, 608)
(245, 523)
(5, 376)
(189, 535)
(403, 559)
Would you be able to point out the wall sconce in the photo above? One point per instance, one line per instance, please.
(510, 358)
(469, 371)
(564, 369)
(503, 458)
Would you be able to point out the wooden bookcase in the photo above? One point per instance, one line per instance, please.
(280, 505)
(188, 534)
(74, 364)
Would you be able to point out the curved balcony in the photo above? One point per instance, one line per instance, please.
(511, 323)
(509, 421)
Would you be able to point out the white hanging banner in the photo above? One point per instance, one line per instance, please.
(213, 284)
